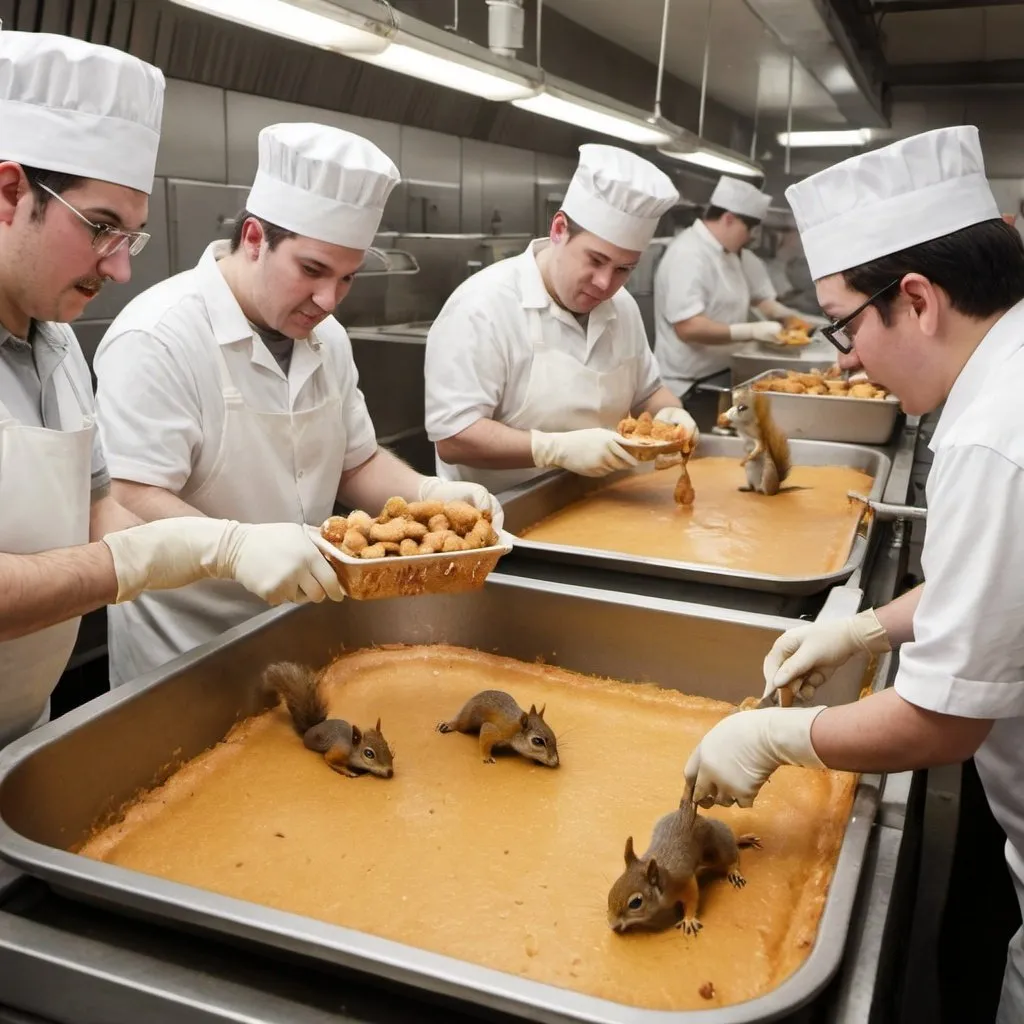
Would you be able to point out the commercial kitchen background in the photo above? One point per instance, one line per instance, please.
(479, 179)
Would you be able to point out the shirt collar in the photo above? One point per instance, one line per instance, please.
(700, 229)
(226, 317)
(1005, 337)
(39, 332)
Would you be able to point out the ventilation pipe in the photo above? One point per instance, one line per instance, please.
(505, 22)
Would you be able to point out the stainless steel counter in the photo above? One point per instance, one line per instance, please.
(63, 961)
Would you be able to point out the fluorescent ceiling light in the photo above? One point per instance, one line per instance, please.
(429, 63)
(715, 159)
(850, 137)
(599, 115)
(334, 30)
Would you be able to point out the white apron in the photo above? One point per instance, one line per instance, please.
(270, 468)
(562, 394)
(45, 494)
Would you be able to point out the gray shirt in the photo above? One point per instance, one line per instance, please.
(27, 390)
(280, 345)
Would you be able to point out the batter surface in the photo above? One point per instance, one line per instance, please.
(805, 530)
(506, 865)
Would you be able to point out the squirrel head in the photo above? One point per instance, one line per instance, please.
(371, 753)
(637, 899)
(535, 739)
(743, 411)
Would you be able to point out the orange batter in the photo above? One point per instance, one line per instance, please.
(805, 530)
(506, 865)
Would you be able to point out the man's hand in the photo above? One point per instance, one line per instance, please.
(756, 330)
(736, 757)
(435, 489)
(808, 655)
(593, 451)
(275, 561)
(679, 418)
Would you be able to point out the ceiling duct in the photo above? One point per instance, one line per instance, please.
(813, 32)
(505, 25)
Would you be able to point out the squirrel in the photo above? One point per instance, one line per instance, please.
(501, 722)
(767, 460)
(660, 888)
(348, 749)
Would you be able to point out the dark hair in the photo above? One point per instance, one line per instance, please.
(271, 232)
(980, 268)
(718, 212)
(56, 180)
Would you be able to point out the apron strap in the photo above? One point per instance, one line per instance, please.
(327, 364)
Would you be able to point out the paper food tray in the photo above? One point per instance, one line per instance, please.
(367, 579)
(647, 451)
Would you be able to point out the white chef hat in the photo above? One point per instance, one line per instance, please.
(322, 182)
(740, 197)
(78, 108)
(887, 200)
(618, 196)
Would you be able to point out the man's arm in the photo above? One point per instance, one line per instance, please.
(383, 475)
(148, 502)
(108, 516)
(488, 444)
(885, 733)
(702, 330)
(897, 617)
(661, 399)
(41, 590)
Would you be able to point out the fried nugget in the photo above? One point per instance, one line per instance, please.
(480, 536)
(424, 511)
(393, 508)
(360, 521)
(393, 531)
(453, 543)
(409, 547)
(373, 551)
(334, 529)
(862, 391)
(626, 426)
(354, 541)
(414, 531)
(684, 493)
(438, 523)
(462, 516)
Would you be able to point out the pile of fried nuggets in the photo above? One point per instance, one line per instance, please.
(411, 528)
(817, 383)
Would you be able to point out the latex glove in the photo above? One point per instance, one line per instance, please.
(735, 758)
(679, 418)
(756, 330)
(276, 561)
(435, 489)
(810, 654)
(593, 451)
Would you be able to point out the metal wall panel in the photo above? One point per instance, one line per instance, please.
(193, 138)
(151, 266)
(198, 213)
(508, 189)
(431, 171)
(472, 186)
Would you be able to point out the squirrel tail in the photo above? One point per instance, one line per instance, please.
(299, 687)
(687, 808)
(774, 439)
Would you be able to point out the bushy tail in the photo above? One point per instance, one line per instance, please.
(774, 439)
(299, 687)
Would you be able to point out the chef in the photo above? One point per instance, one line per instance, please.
(81, 124)
(533, 361)
(924, 283)
(230, 390)
(705, 285)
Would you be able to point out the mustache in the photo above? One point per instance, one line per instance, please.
(94, 284)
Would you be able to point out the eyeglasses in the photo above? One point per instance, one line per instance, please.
(106, 240)
(836, 331)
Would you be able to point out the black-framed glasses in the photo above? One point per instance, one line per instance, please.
(106, 240)
(836, 331)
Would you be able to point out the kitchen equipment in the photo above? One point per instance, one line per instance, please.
(57, 781)
(531, 502)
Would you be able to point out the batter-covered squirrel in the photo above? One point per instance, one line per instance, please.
(348, 749)
(501, 722)
(767, 459)
(660, 889)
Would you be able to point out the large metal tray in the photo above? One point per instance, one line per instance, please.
(529, 503)
(830, 417)
(60, 779)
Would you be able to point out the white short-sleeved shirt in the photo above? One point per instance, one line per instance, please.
(967, 657)
(479, 349)
(159, 397)
(698, 277)
(27, 388)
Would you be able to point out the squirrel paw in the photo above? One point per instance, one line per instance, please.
(444, 727)
(737, 879)
(745, 490)
(754, 842)
(489, 760)
(690, 925)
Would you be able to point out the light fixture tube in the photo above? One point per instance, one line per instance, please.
(844, 137)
